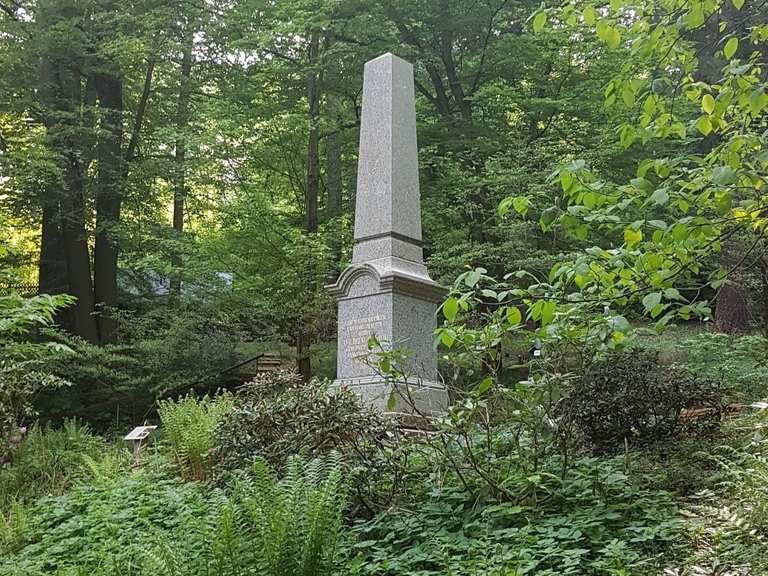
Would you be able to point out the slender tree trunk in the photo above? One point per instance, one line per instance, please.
(109, 195)
(52, 265)
(312, 188)
(334, 187)
(180, 156)
(311, 193)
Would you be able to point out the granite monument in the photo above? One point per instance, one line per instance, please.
(386, 291)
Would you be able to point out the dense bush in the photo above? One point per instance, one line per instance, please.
(168, 351)
(633, 396)
(278, 414)
(24, 363)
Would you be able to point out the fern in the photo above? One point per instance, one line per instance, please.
(268, 527)
(189, 425)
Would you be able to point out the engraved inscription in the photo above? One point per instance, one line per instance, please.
(358, 331)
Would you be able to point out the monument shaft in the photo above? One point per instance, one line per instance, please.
(387, 291)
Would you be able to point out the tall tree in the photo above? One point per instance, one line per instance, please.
(180, 153)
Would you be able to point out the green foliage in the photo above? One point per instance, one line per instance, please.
(631, 396)
(48, 461)
(595, 521)
(103, 527)
(166, 351)
(143, 525)
(277, 415)
(740, 362)
(189, 425)
(23, 363)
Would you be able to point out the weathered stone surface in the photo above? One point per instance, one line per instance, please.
(387, 291)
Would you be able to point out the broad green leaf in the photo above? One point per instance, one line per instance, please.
(632, 236)
(660, 197)
(485, 384)
(391, 401)
(730, 47)
(539, 20)
(448, 338)
(547, 312)
(708, 104)
(757, 101)
(704, 125)
(737, 4)
(514, 317)
(450, 309)
(521, 204)
(650, 301)
(589, 15)
(473, 277)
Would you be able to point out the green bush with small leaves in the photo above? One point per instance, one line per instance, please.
(632, 396)
(277, 415)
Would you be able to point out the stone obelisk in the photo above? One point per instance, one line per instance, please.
(387, 291)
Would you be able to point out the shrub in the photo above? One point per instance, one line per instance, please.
(278, 414)
(23, 363)
(189, 425)
(595, 521)
(48, 461)
(631, 395)
(166, 352)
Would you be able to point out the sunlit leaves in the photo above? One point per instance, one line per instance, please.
(520, 204)
(450, 309)
(730, 47)
(704, 125)
(632, 236)
(608, 34)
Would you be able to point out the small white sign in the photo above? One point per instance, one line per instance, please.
(139, 433)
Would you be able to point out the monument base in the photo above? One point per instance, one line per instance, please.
(412, 399)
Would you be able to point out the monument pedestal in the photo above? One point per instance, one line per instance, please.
(387, 292)
(399, 309)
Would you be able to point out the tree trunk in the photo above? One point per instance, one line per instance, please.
(72, 206)
(109, 195)
(64, 234)
(311, 193)
(334, 187)
(180, 156)
(731, 308)
(312, 187)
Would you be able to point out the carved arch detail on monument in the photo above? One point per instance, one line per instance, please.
(358, 280)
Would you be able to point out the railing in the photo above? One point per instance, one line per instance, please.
(22, 289)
